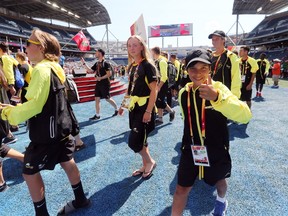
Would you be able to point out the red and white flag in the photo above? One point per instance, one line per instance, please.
(82, 42)
(138, 28)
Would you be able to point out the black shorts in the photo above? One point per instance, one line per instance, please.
(102, 91)
(245, 94)
(160, 102)
(4, 150)
(45, 156)
(260, 80)
(139, 130)
(188, 172)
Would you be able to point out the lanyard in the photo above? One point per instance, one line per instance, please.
(203, 124)
(217, 62)
(260, 69)
(135, 76)
(202, 129)
(244, 67)
(98, 68)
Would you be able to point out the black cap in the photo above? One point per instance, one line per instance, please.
(217, 33)
(101, 51)
(198, 55)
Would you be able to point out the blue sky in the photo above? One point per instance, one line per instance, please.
(206, 16)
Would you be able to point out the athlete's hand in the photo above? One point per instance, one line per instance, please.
(146, 117)
(207, 91)
(248, 87)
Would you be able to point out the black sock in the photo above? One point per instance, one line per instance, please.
(80, 197)
(41, 208)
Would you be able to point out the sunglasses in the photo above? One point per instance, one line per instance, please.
(28, 42)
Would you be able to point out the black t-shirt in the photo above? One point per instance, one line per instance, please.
(100, 69)
(245, 68)
(141, 88)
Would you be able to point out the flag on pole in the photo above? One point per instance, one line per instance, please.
(138, 28)
(82, 42)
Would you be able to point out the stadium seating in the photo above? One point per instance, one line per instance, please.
(23, 28)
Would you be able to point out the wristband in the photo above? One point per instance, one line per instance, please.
(84, 63)
(148, 112)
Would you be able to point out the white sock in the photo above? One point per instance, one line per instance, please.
(97, 114)
(220, 199)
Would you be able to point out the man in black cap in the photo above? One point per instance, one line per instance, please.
(205, 106)
(225, 67)
(102, 70)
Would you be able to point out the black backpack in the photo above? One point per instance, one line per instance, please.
(171, 72)
(71, 90)
(57, 119)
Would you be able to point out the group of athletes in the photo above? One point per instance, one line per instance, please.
(219, 88)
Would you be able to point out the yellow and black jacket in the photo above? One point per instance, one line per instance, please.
(45, 101)
(216, 114)
(227, 71)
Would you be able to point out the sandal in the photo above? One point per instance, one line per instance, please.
(137, 172)
(147, 175)
(69, 207)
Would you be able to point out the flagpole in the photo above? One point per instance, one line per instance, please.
(71, 39)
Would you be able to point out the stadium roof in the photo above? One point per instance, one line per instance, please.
(258, 6)
(83, 13)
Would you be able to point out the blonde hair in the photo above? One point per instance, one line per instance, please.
(21, 56)
(145, 53)
(50, 44)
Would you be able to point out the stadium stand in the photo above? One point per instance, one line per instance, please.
(270, 36)
(19, 18)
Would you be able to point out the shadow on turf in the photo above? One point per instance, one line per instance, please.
(237, 131)
(89, 151)
(201, 199)
(111, 198)
(13, 171)
(91, 122)
(258, 99)
(155, 131)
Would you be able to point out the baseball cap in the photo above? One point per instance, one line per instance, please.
(217, 33)
(198, 55)
(101, 51)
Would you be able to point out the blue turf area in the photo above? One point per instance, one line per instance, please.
(258, 185)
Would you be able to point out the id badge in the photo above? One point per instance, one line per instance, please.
(200, 155)
(243, 78)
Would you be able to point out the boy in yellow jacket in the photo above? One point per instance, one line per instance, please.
(205, 105)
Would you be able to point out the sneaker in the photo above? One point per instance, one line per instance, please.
(171, 116)
(9, 140)
(220, 208)
(158, 122)
(3, 187)
(115, 113)
(95, 117)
